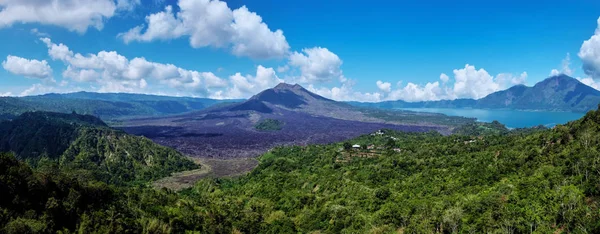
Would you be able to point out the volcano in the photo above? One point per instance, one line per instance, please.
(230, 131)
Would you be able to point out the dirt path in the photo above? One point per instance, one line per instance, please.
(209, 168)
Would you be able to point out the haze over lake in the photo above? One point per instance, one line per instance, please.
(511, 118)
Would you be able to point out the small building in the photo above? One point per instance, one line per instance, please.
(370, 147)
(356, 146)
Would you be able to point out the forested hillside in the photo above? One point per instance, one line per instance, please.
(540, 181)
(84, 145)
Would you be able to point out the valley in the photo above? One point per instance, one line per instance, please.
(209, 168)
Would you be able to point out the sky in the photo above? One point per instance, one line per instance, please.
(345, 50)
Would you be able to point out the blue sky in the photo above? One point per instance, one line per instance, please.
(345, 50)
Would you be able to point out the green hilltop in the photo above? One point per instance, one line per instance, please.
(86, 146)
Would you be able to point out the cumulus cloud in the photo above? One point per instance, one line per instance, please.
(28, 68)
(213, 23)
(116, 73)
(7, 94)
(245, 86)
(109, 71)
(74, 15)
(468, 82)
(444, 78)
(37, 89)
(589, 53)
(345, 92)
(473, 83)
(384, 86)
(413, 92)
(317, 65)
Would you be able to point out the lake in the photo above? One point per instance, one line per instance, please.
(511, 118)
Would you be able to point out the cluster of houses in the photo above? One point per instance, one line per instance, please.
(371, 147)
(357, 147)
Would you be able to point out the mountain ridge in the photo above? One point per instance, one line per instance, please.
(556, 93)
(107, 106)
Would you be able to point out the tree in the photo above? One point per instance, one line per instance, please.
(390, 143)
(347, 146)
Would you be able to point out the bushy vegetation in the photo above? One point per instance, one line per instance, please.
(403, 116)
(481, 129)
(269, 125)
(543, 181)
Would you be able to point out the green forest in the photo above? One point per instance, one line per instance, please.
(483, 179)
(269, 125)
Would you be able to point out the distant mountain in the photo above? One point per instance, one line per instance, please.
(302, 117)
(557, 93)
(108, 106)
(84, 142)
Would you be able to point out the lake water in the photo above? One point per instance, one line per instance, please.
(511, 118)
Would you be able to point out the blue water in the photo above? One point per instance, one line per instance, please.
(510, 118)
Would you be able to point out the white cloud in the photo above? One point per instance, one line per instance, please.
(37, 33)
(589, 53)
(57, 51)
(468, 83)
(507, 80)
(384, 86)
(113, 72)
(74, 15)
(7, 94)
(473, 83)
(28, 68)
(317, 65)
(282, 69)
(37, 89)
(565, 67)
(116, 73)
(413, 92)
(127, 5)
(213, 23)
(444, 78)
(346, 93)
(246, 86)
